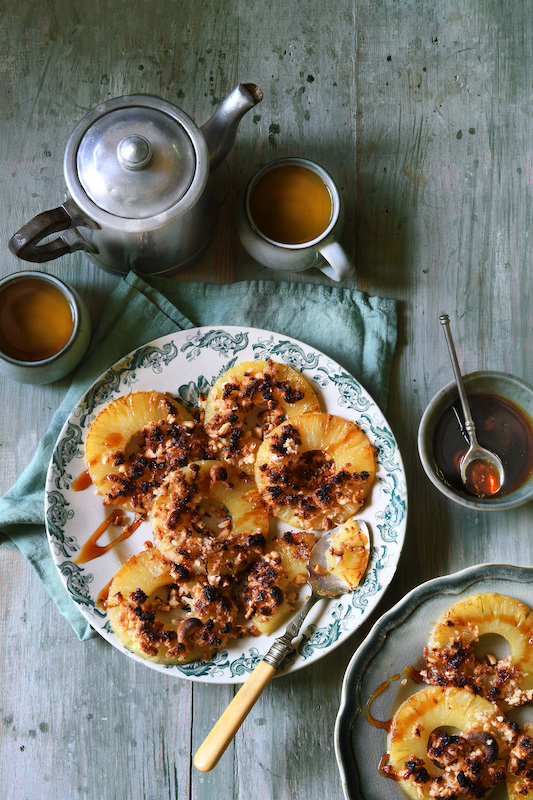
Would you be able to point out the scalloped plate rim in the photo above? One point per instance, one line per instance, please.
(351, 708)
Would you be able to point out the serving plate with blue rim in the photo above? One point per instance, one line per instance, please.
(185, 364)
(395, 643)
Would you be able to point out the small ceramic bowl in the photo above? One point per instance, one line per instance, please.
(22, 295)
(498, 383)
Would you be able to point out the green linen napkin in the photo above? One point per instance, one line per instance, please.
(356, 330)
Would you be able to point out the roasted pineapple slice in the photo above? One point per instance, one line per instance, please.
(274, 582)
(468, 764)
(247, 402)
(347, 555)
(186, 518)
(113, 433)
(295, 548)
(163, 616)
(450, 655)
(520, 766)
(138, 598)
(315, 470)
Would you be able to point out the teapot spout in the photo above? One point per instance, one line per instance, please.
(220, 130)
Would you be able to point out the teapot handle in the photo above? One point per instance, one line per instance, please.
(25, 243)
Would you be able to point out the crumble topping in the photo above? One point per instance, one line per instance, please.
(456, 664)
(521, 764)
(310, 484)
(162, 446)
(248, 408)
(226, 578)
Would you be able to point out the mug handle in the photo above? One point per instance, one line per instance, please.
(26, 243)
(339, 266)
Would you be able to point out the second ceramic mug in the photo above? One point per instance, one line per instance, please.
(291, 218)
(45, 327)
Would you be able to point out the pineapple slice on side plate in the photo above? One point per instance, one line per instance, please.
(467, 764)
(114, 432)
(451, 655)
(315, 470)
(520, 766)
(247, 402)
(273, 584)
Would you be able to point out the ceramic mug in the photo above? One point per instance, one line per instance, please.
(45, 327)
(291, 218)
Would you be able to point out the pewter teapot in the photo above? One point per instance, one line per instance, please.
(139, 191)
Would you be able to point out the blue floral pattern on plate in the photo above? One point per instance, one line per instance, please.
(186, 364)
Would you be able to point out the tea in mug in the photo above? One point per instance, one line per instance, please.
(291, 204)
(36, 319)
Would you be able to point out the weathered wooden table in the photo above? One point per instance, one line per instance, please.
(422, 112)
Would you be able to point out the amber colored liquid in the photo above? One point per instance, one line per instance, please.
(409, 672)
(92, 550)
(83, 481)
(36, 319)
(291, 204)
(482, 478)
(501, 427)
(103, 596)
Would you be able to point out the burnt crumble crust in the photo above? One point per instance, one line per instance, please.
(162, 446)
(231, 436)
(456, 664)
(310, 483)
(520, 765)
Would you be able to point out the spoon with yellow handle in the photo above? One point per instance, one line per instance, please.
(336, 565)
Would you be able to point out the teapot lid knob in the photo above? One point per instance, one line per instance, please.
(134, 152)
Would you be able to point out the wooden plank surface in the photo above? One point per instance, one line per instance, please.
(422, 113)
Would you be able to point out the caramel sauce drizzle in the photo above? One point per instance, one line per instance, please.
(113, 440)
(385, 724)
(92, 550)
(83, 481)
(409, 672)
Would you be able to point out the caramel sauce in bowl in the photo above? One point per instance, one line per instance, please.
(44, 327)
(502, 409)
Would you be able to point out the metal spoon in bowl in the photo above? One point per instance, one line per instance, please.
(481, 469)
(323, 585)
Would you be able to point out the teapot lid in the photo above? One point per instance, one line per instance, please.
(135, 161)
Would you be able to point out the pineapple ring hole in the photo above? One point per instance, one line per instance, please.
(451, 730)
(491, 644)
(310, 469)
(257, 418)
(171, 618)
(212, 514)
(133, 445)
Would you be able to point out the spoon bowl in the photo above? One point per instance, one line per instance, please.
(481, 470)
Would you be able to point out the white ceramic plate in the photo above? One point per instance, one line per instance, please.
(395, 642)
(184, 364)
